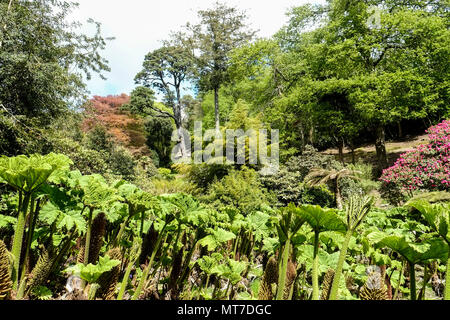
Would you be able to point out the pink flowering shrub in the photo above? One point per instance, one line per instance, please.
(424, 168)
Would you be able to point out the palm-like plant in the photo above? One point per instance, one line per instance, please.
(320, 176)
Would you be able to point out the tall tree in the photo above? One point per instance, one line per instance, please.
(44, 61)
(388, 60)
(166, 69)
(221, 29)
(158, 128)
(43, 58)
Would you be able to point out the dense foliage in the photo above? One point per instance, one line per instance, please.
(93, 207)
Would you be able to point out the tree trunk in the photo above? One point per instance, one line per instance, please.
(216, 108)
(302, 138)
(400, 129)
(6, 23)
(341, 151)
(311, 135)
(353, 154)
(183, 153)
(380, 147)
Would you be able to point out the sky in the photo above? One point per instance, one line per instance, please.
(139, 26)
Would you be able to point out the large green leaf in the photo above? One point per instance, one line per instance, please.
(6, 221)
(186, 209)
(140, 200)
(217, 237)
(64, 219)
(288, 222)
(413, 252)
(207, 263)
(29, 173)
(62, 210)
(326, 260)
(230, 270)
(95, 191)
(92, 272)
(321, 219)
(239, 222)
(257, 221)
(437, 216)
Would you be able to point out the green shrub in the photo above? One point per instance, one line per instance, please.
(241, 189)
(308, 160)
(203, 174)
(158, 186)
(318, 195)
(121, 162)
(88, 161)
(165, 173)
(288, 182)
(99, 139)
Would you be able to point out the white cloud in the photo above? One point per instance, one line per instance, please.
(140, 25)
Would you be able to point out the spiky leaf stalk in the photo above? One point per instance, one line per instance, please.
(93, 291)
(134, 255)
(18, 239)
(88, 237)
(124, 283)
(342, 255)
(283, 271)
(315, 270)
(412, 281)
(356, 210)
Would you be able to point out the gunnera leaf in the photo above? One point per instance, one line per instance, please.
(5, 276)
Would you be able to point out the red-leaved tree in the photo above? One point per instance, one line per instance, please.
(127, 130)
